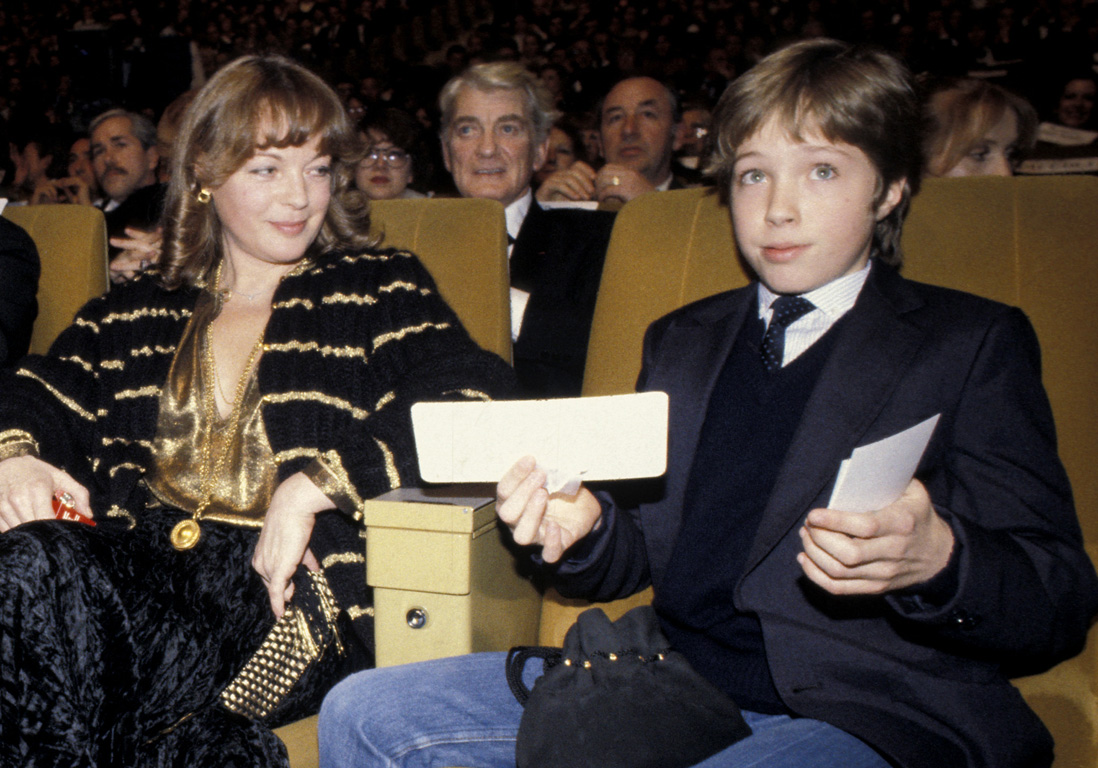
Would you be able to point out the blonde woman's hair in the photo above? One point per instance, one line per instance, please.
(253, 103)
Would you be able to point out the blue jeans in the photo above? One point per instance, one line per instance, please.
(460, 712)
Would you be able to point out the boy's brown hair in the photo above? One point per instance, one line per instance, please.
(852, 94)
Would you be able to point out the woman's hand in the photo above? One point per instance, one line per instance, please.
(555, 521)
(283, 542)
(854, 553)
(27, 485)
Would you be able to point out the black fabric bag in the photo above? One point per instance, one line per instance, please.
(617, 696)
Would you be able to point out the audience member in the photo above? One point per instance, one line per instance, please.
(1075, 105)
(638, 129)
(125, 159)
(495, 126)
(688, 163)
(565, 147)
(78, 186)
(196, 416)
(975, 128)
(395, 156)
(846, 637)
(18, 297)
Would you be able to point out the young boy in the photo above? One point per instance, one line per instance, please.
(848, 639)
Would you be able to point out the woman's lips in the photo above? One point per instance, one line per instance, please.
(289, 227)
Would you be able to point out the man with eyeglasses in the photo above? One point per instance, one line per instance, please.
(495, 128)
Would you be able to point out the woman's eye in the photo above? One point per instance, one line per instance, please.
(263, 170)
(980, 154)
(824, 172)
(322, 170)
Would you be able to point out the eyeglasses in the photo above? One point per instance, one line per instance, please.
(396, 158)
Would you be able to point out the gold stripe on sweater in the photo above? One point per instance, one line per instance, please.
(319, 397)
(342, 558)
(79, 361)
(117, 511)
(398, 285)
(148, 351)
(390, 464)
(86, 324)
(333, 462)
(138, 314)
(385, 338)
(387, 398)
(125, 465)
(349, 298)
(128, 394)
(472, 394)
(312, 346)
(355, 611)
(66, 401)
(113, 365)
(289, 303)
(109, 441)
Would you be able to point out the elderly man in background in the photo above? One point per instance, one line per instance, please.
(638, 127)
(495, 127)
(124, 159)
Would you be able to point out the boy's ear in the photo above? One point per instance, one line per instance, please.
(893, 195)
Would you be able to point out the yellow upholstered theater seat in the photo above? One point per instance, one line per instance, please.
(72, 245)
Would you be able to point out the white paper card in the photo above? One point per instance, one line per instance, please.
(876, 475)
(592, 438)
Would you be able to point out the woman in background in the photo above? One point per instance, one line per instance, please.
(975, 128)
(394, 156)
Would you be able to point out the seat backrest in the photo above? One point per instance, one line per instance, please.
(667, 250)
(463, 244)
(72, 246)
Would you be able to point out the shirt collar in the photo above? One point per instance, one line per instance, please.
(835, 299)
(516, 212)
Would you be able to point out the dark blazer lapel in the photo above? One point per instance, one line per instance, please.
(868, 361)
(693, 351)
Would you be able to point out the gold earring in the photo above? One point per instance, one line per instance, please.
(203, 196)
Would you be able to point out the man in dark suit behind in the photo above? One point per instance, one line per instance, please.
(495, 127)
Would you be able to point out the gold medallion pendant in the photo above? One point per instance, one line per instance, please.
(185, 534)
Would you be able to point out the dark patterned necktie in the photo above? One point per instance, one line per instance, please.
(785, 311)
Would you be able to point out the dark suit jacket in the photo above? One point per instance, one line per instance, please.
(19, 271)
(926, 684)
(557, 259)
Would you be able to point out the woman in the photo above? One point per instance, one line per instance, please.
(565, 148)
(394, 156)
(221, 420)
(975, 128)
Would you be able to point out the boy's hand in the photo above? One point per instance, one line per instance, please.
(853, 553)
(555, 522)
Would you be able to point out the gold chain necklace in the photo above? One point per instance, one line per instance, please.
(187, 532)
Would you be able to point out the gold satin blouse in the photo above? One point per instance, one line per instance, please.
(242, 492)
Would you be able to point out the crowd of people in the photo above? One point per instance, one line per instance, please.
(65, 63)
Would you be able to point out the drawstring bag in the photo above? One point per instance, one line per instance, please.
(617, 696)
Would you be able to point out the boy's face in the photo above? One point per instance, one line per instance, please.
(803, 211)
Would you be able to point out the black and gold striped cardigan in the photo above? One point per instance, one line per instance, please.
(354, 340)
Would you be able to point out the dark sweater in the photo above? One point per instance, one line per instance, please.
(749, 426)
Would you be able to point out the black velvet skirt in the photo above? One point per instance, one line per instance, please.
(114, 647)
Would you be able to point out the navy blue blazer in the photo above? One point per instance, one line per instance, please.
(925, 684)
